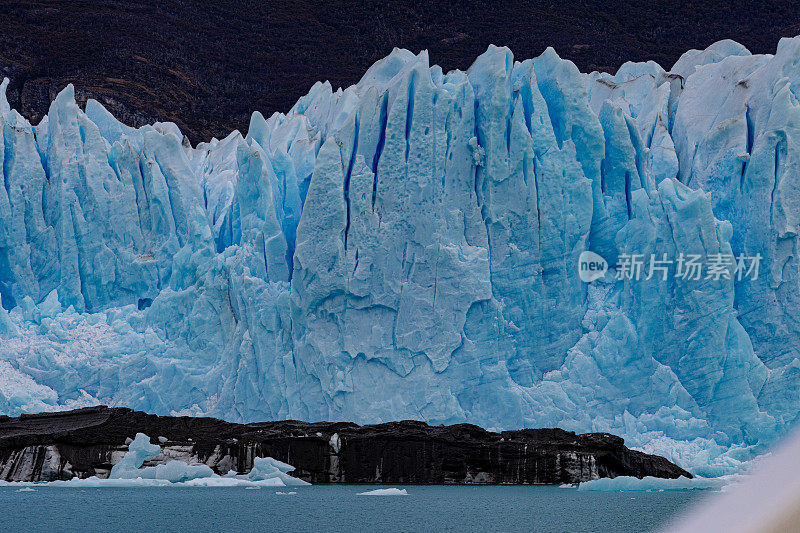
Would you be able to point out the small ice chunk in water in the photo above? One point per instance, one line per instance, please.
(650, 484)
(385, 492)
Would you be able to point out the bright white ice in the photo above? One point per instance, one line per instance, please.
(385, 492)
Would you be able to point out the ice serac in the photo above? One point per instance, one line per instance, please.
(407, 248)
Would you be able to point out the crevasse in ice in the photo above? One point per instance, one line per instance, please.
(407, 248)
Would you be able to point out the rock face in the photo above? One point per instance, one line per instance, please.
(88, 442)
(207, 64)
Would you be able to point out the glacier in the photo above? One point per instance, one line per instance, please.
(407, 248)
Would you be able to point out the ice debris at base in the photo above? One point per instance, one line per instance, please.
(128, 472)
(407, 248)
(130, 466)
(628, 483)
(385, 492)
(767, 499)
(267, 468)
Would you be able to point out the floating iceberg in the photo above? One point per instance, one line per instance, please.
(408, 248)
(385, 492)
(267, 469)
(128, 472)
(130, 466)
(139, 450)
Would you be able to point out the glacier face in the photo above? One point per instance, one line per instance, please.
(408, 248)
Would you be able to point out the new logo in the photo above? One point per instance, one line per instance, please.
(591, 266)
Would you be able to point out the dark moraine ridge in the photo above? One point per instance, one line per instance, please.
(208, 64)
(87, 442)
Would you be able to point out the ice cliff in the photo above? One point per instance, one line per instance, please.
(407, 248)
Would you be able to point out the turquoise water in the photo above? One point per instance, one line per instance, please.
(338, 508)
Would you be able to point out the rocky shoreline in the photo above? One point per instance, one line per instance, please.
(88, 442)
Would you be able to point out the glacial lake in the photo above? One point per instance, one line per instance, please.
(339, 508)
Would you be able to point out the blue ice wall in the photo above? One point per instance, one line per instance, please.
(408, 248)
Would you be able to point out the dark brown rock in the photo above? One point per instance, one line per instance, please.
(89, 441)
(208, 64)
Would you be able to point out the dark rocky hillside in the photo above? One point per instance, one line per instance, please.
(84, 443)
(207, 64)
